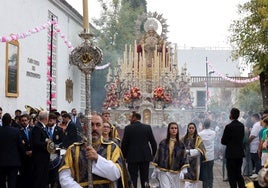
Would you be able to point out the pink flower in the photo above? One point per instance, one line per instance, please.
(158, 93)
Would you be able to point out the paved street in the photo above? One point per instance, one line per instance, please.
(218, 176)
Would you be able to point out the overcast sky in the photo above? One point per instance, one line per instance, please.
(192, 23)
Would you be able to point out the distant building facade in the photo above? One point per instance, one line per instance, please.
(219, 63)
(34, 82)
(219, 58)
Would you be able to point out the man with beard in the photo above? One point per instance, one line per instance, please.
(107, 161)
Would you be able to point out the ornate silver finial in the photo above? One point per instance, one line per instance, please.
(86, 56)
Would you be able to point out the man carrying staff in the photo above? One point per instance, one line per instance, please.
(106, 157)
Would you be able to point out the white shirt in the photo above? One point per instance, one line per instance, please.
(103, 167)
(255, 142)
(208, 138)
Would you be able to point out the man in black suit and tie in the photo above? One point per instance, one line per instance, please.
(232, 137)
(10, 152)
(56, 135)
(70, 135)
(136, 149)
(77, 121)
(26, 170)
(41, 156)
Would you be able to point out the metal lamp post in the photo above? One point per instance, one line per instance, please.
(86, 56)
(208, 80)
(207, 84)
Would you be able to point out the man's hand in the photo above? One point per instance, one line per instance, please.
(91, 153)
(182, 173)
(187, 152)
(28, 153)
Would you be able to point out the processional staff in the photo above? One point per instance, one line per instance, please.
(86, 56)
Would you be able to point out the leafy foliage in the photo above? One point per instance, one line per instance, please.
(221, 101)
(250, 40)
(249, 34)
(250, 98)
(115, 29)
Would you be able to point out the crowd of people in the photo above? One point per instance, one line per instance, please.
(50, 149)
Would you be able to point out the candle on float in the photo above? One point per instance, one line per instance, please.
(85, 16)
(108, 75)
(162, 57)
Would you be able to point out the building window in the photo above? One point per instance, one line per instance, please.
(201, 98)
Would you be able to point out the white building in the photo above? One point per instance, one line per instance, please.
(33, 68)
(197, 57)
(209, 65)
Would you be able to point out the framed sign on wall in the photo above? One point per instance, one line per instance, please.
(12, 69)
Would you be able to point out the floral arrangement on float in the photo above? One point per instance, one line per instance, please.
(159, 94)
(167, 98)
(133, 94)
(111, 97)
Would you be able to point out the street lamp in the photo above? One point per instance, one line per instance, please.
(86, 56)
(206, 104)
(210, 73)
(208, 80)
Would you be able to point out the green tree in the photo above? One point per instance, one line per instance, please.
(116, 24)
(250, 98)
(136, 4)
(250, 41)
(221, 100)
(126, 25)
(114, 29)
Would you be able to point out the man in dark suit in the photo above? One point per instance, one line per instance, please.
(26, 170)
(16, 121)
(41, 156)
(232, 137)
(56, 135)
(70, 135)
(77, 121)
(1, 111)
(136, 149)
(10, 152)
